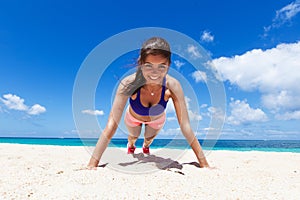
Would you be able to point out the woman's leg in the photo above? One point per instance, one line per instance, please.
(152, 129)
(134, 133)
(149, 135)
(134, 128)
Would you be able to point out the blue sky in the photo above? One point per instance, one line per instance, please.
(254, 45)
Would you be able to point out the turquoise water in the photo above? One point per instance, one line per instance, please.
(232, 145)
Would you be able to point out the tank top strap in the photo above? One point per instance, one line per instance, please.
(138, 95)
(162, 97)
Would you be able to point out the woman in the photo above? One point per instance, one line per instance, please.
(148, 91)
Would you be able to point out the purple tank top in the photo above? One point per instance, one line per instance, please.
(157, 109)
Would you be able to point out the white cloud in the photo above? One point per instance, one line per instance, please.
(36, 109)
(242, 113)
(282, 134)
(273, 72)
(170, 107)
(93, 112)
(169, 119)
(178, 64)
(217, 114)
(289, 115)
(207, 36)
(171, 132)
(14, 102)
(192, 114)
(284, 15)
(193, 52)
(287, 13)
(203, 106)
(199, 76)
(210, 129)
(275, 101)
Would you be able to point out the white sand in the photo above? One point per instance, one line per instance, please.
(51, 172)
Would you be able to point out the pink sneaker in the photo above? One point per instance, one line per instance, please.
(146, 150)
(130, 150)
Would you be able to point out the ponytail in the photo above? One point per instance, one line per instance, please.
(136, 84)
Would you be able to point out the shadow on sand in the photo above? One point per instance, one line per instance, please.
(160, 162)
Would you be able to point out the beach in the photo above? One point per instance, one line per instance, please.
(55, 172)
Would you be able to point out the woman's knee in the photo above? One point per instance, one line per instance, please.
(132, 137)
(148, 138)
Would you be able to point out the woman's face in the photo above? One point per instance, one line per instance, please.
(155, 68)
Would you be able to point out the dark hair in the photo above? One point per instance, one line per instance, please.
(153, 46)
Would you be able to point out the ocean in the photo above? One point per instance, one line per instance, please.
(233, 145)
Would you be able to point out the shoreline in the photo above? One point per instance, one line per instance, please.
(51, 172)
(234, 149)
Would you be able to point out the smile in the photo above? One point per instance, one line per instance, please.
(153, 77)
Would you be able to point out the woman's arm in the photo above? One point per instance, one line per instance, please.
(177, 96)
(111, 126)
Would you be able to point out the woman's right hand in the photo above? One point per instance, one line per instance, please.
(91, 167)
(86, 168)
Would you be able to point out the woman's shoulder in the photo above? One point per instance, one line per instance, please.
(172, 83)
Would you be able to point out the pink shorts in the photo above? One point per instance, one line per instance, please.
(133, 122)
